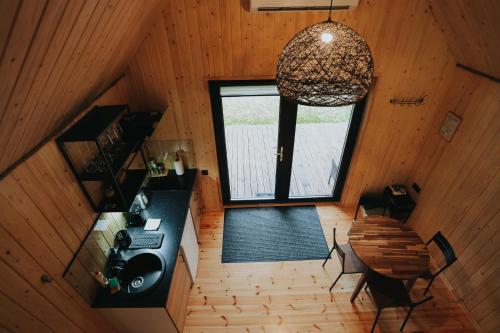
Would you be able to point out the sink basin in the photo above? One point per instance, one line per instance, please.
(142, 272)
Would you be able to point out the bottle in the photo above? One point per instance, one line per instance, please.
(101, 279)
(114, 285)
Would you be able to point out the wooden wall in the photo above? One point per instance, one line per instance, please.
(55, 56)
(460, 183)
(93, 255)
(199, 40)
(471, 29)
(460, 180)
(44, 217)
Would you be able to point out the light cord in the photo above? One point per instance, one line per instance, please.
(330, 12)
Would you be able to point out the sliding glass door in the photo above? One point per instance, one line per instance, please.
(272, 150)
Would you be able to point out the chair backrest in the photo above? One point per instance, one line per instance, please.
(445, 247)
(386, 291)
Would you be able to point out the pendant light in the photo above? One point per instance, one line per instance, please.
(326, 64)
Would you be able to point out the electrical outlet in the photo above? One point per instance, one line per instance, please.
(204, 172)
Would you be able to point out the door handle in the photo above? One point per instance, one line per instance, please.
(280, 154)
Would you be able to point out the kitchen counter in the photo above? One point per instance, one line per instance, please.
(170, 197)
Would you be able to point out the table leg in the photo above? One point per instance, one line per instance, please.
(410, 283)
(359, 286)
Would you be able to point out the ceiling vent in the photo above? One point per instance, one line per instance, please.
(298, 5)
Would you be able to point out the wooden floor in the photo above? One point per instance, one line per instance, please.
(252, 163)
(293, 296)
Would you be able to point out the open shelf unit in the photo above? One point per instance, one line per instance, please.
(104, 151)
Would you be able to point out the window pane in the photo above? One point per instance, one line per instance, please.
(319, 142)
(251, 129)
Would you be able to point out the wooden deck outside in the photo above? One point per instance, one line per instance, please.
(252, 163)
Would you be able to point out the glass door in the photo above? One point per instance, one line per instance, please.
(272, 150)
(251, 116)
(246, 122)
(320, 137)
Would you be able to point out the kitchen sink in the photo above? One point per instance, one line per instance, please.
(142, 272)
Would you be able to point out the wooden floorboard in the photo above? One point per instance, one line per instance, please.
(252, 163)
(293, 296)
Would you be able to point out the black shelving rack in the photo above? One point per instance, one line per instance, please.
(104, 152)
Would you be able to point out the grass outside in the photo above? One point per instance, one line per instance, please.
(263, 110)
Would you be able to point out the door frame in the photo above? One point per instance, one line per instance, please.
(291, 109)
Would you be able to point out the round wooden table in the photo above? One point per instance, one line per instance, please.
(390, 248)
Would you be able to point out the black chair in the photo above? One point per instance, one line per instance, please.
(371, 201)
(390, 293)
(449, 257)
(348, 260)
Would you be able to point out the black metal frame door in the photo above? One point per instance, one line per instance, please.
(284, 149)
(220, 137)
(284, 152)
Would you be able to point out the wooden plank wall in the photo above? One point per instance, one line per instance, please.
(460, 180)
(460, 183)
(471, 29)
(44, 216)
(55, 56)
(93, 255)
(195, 41)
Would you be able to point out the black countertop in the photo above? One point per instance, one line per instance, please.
(170, 197)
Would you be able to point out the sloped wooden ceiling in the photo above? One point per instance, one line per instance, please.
(55, 57)
(472, 30)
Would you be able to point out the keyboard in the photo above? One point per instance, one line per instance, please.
(146, 240)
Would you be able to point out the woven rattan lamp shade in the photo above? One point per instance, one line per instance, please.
(326, 64)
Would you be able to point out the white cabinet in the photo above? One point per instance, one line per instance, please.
(189, 246)
(195, 206)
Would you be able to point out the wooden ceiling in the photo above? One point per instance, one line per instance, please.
(472, 31)
(55, 57)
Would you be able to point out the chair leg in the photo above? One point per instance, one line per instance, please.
(333, 284)
(356, 214)
(406, 319)
(428, 286)
(376, 320)
(328, 256)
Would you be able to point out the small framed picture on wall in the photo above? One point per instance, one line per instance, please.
(450, 126)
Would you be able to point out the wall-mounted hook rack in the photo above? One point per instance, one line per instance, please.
(414, 102)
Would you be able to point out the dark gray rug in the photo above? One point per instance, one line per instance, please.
(272, 234)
